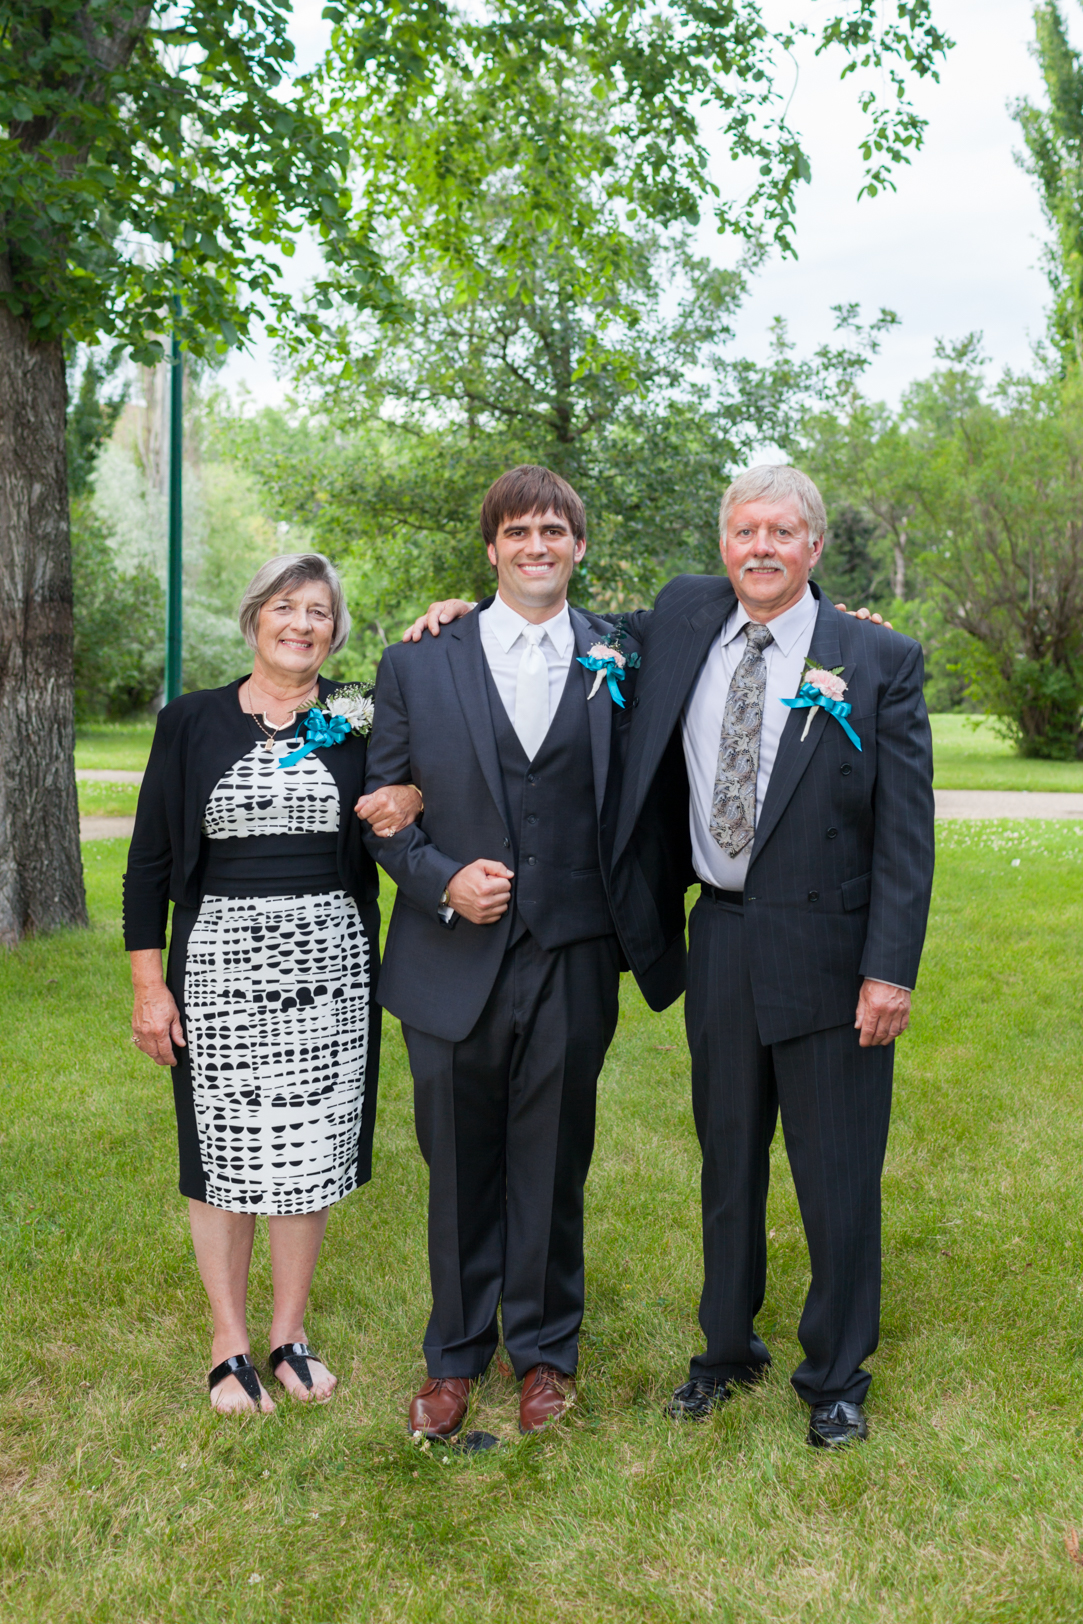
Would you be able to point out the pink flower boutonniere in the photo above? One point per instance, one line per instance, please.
(823, 690)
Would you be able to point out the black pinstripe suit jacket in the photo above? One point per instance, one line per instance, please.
(841, 869)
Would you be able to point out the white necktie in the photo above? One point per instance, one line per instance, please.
(532, 694)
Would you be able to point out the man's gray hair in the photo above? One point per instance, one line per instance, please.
(776, 482)
(288, 570)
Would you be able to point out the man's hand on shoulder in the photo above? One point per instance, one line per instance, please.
(864, 614)
(481, 891)
(435, 616)
(883, 1012)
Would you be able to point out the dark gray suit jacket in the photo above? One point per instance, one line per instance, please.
(841, 870)
(433, 728)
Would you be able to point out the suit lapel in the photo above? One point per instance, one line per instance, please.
(667, 678)
(793, 754)
(599, 709)
(466, 658)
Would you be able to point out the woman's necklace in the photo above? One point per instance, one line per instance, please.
(271, 732)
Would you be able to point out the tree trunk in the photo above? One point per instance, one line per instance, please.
(41, 875)
(898, 571)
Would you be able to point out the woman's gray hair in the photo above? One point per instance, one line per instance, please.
(275, 577)
(776, 482)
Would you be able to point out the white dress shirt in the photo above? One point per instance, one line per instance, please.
(504, 645)
(701, 727)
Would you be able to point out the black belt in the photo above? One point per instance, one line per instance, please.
(736, 899)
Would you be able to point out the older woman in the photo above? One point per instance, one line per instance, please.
(246, 821)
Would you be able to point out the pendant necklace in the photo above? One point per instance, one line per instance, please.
(270, 732)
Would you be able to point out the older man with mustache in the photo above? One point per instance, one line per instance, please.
(780, 754)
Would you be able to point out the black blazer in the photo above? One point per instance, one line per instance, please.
(433, 728)
(195, 742)
(841, 868)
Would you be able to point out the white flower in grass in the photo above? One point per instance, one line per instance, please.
(255, 1578)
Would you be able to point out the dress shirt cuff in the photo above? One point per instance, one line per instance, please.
(885, 983)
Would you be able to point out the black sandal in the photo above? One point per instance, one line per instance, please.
(241, 1366)
(296, 1355)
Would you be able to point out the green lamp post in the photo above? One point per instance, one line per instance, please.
(174, 624)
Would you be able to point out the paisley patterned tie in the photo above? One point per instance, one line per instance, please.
(733, 807)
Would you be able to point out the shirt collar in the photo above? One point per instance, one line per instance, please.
(507, 626)
(786, 630)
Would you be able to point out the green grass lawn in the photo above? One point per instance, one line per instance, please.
(107, 800)
(121, 746)
(126, 1499)
(970, 754)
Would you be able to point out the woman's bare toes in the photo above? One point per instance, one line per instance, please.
(323, 1383)
(230, 1398)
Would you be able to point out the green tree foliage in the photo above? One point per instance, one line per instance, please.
(989, 489)
(155, 153)
(549, 319)
(1054, 157)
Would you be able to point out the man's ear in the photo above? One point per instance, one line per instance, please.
(491, 550)
(580, 549)
(817, 552)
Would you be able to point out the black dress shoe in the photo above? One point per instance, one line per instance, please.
(832, 1425)
(696, 1399)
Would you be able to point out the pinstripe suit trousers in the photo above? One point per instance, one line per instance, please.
(835, 1102)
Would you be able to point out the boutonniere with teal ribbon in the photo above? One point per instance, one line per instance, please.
(823, 690)
(349, 710)
(610, 662)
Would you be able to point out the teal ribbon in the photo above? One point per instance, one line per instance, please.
(322, 731)
(613, 674)
(807, 695)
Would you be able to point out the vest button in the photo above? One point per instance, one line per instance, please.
(532, 818)
(832, 834)
(814, 896)
(846, 769)
(635, 701)
(530, 778)
(532, 861)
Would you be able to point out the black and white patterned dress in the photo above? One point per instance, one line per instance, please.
(276, 993)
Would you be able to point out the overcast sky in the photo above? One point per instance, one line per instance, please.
(955, 248)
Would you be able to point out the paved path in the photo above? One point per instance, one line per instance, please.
(106, 828)
(1007, 803)
(950, 803)
(104, 775)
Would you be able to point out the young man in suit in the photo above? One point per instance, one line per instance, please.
(813, 846)
(502, 959)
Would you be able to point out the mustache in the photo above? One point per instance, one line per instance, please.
(762, 564)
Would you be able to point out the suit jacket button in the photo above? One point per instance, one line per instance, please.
(814, 896)
(530, 778)
(532, 861)
(507, 844)
(635, 701)
(846, 769)
(832, 834)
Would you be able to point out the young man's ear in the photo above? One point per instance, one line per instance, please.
(491, 550)
(580, 548)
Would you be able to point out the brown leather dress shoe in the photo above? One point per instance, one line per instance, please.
(438, 1409)
(547, 1395)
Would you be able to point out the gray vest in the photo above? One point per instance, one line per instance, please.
(558, 894)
